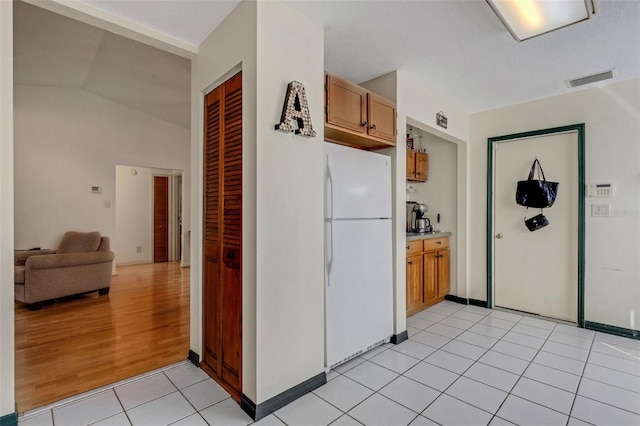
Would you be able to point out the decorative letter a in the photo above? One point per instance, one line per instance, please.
(296, 107)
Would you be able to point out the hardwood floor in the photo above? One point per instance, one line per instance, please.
(85, 342)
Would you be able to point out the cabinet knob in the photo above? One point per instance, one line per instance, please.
(364, 124)
(373, 127)
(438, 242)
(499, 236)
(407, 247)
(410, 262)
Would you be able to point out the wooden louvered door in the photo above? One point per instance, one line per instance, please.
(222, 269)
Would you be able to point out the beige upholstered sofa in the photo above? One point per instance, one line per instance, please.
(81, 264)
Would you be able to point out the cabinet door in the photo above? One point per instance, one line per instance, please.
(382, 118)
(346, 104)
(430, 276)
(411, 164)
(444, 265)
(422, 166)
(414, 283)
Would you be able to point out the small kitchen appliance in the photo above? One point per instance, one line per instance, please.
(417, 220)
(411, 222)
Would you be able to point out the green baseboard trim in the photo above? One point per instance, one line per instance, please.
(256, 412)
(396, 339)
(194, 358)
(481, 303)
(9, 420)
(452, 298)
(611, 329)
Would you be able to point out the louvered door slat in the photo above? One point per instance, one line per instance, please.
(223, 235)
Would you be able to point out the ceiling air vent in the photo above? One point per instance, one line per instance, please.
(590, 79)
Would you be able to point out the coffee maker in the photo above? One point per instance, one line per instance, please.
(417, 220)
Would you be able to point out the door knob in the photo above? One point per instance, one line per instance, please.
(499, 236)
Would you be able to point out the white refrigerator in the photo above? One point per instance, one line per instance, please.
(358, 252)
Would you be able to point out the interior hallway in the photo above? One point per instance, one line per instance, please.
(85, 342)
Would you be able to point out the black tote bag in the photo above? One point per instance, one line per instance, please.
(536, 193)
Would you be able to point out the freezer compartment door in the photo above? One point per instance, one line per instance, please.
(357, 183)
(359, 287)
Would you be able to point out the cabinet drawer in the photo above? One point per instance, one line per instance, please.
(414, 247)
(435, 243)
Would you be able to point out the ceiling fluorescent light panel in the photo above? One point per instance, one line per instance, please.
(530, 18)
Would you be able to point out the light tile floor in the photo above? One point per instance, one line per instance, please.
(462, 365)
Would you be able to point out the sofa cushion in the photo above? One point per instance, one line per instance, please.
(79, 242)
(18, 274)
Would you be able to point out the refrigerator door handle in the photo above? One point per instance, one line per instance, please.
(330, 223)
(330, 186)
(330, 257)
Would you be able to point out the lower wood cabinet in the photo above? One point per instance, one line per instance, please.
(428, 263)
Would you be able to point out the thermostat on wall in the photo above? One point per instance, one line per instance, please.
(600, 190)
(96, 190)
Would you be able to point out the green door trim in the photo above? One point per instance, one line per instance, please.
(580, 129)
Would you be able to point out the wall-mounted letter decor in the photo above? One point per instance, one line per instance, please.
(296, 108)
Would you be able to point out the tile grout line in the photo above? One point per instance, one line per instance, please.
(459, 376)
(521, 375)
(525, 370)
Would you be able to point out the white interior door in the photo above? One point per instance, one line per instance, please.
(537, 271)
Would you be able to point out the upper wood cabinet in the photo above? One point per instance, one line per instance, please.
(417, 166)
(356, 117)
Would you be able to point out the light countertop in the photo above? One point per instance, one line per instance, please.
(411, 236)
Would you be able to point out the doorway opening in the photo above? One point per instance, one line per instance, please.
(526, 282)
(148, 215)
(444, 192)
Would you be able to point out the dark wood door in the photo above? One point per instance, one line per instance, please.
(222, 269)
(160, 218)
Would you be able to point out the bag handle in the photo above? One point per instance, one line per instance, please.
(526, 211)
(533, 169)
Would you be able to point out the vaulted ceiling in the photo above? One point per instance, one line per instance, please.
(52, 50)
(456, 48)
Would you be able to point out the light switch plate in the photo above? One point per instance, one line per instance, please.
(600, 210)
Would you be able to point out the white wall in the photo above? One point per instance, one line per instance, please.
(231, 45)
(282, 193)
(612, 144)
(7, 343)
(290, 204)
(439, 191)
(134, 213)
(283, 299)
(67, 140)
(419, 106)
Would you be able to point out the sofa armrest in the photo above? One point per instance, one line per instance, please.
(68, 259)
(21, 256)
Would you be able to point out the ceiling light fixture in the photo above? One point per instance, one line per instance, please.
(530, 18)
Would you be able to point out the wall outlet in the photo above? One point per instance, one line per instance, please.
(600, 210)
(138, 249)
